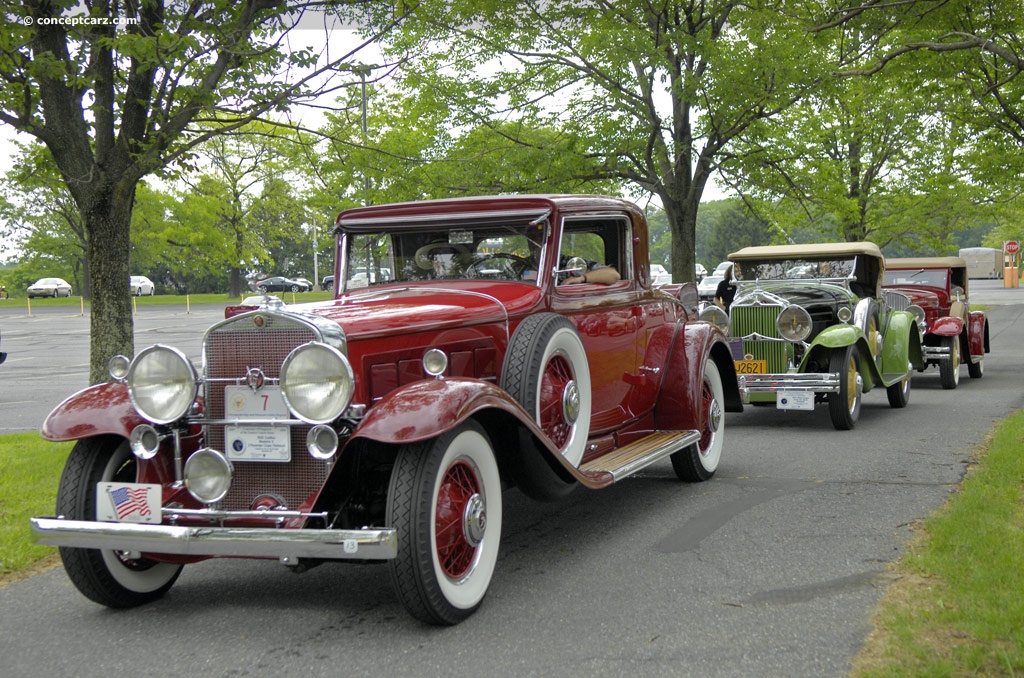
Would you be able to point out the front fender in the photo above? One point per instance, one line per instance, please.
(902, 345)
(428, 408)
(96, 410)
(947, 326)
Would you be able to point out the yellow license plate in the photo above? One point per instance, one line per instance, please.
(751, 366)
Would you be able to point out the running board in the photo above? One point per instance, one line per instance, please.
(627, 460)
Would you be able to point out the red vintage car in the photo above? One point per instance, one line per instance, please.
(506, 341)
(952, 333)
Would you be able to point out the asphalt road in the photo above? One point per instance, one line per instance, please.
(772, 568)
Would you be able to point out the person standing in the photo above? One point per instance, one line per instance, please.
(725, 291)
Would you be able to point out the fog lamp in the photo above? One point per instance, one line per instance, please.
(144, 441)
(321, 442)
(208, 475)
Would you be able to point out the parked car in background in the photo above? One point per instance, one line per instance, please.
(327, 284)
(722, 267)
(279, 284)
(707, 287)
(140, 284)
(953, 333)
(49, 287)
(386, 424)
(660, 276)
(307, 283)
(816, 328)
(3, 357)
(700, 271)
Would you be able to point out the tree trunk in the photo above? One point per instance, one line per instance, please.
(108, 229)
(682, 221)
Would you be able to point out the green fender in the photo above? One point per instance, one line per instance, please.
(901, 345)
(838, 337)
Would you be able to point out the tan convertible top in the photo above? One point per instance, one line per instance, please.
(926, 262)
(815, 250)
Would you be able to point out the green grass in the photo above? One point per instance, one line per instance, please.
(30, 470)
(161, 300)
(957, 606)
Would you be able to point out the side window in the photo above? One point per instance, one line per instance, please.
(599, 241)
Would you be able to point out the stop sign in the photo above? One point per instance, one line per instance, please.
(1011, 246)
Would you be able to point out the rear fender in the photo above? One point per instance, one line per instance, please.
(96, 410)
(977, 333)
(693, 345)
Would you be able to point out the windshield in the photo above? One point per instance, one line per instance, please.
(491, 251)
(795, 269)
(921, 276)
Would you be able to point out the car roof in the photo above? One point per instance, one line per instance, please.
(814, 250)
(448, 209)
(926, 262)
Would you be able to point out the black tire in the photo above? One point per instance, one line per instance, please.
(844, 406)
(138, 292)
(899, 393)
(976, 369)
(699, 461)
(449, 482)
(295, 288)
(546, 360)
(949, 370)
(106, 576)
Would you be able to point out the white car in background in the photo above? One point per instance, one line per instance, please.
(140, 284)
(659, 276)
(707, 287)
(700, 271)
(49, 287)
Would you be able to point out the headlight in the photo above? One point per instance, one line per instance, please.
(716, 317)
(794, 323)
(317, 383)
(918, 314)
(162, 384)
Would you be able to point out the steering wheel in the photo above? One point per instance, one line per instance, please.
(512, 269)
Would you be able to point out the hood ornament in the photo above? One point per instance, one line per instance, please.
(254, 378)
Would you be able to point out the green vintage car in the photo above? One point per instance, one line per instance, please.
(816, 328)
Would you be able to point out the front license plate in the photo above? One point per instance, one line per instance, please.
(751, 366)
(256, 442)
(128, 502)
(794, 400)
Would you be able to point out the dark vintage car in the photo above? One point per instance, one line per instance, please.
(953, 333)
(280, 284)
(816, 328)
(384, 425)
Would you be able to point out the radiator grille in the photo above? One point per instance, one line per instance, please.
(747, 320)
(230, 350)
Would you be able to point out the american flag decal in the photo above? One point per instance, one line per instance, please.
(128, 501)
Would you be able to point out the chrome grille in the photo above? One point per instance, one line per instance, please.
(745, 320)
(897, 301)
(230, 350)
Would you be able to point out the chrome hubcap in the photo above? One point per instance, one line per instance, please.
(474, 520)
(571, 403)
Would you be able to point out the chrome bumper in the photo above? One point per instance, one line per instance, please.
(245, 542)
(936, 353)
(818, 382)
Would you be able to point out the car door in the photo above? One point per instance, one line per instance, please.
(608, 317)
